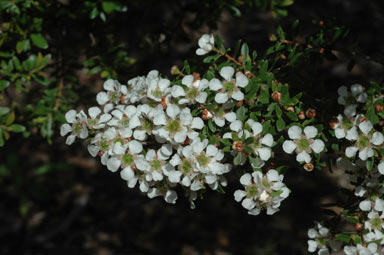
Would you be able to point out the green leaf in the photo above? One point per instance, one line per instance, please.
(211, 126)
(244, 50)
(256, 162)
(94, 13)
(4, 110)
(276, 193)
(4, 84)
(30, 63)
(39, 41)
(17, 128)
(371, 115)
(238, 158)
(1, 138)
(240, 113)
(10, 119)
(109, 6)
(278, 111)
(280, 124)
(343, 237)
(292, 116)
(20, 46)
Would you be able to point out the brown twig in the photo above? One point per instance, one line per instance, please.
(228, 57)
(59, 94)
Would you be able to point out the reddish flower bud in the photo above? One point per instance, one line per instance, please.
(308, 167)
(310, 113)
(290, 108)
(379, 107)
(206, 115)
(359, 226)
(301, 115)
(332, 123)
(276, 96)
(238, 146)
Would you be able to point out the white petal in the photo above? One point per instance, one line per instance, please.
(294, 132)
(105, 118)
(102, 98)
(238, 95)
(303, 157)
(227, 72)
(352, 134)
(70, 139)
(317, 146)
(180, 136)
(257, 128)
(351, 151)
(170, 196)
(236, 125)
(65, 129)
(197, 123)
(377, 138)
(83, 133)
(187, 80)
(177, 91)
(119, 149)
(211, 150)
(365, 205)
(140, 135)
(239, 195)
(113, 164)
(362, 98)
(310, 132)
(173, 110)
(264, 153)
(246, 179)
(109, 85)
(215, 84)
(379, 205)
(272, 175)
(230, 116)
(125, 132)
(70, 116)
(160, 119)
(380, 167)
(135, 147)
(93, 150)
(365, 153)
(174, 176)
(356, 89)
(186, 181)
(339, 133)
(201, 52)
(312, 245)
(350, 110)
(366, 127)
(202, 98)
(163, 84)
(343, 91)
(127, 173)
(94, 112)
(248, 203)
(241, 80)
(221, 98)
(267, 140)
(289, 146)
(219, 122)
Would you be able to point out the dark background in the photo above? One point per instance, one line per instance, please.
(78, 207)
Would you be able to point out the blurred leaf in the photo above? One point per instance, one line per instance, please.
(4, 84)
(16, 128)
(4, 110)
(39, 41)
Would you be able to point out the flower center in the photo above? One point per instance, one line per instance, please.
(251, 191)
(376, 223)
(203, 160)
(128, 159)
(104, 145)
(186, 166)
(92, 122)
(156, 165)
(303, 144)
(174, 126)
(124, 122)
(157, 93)
(347, 124)
(264, 196)
(192, 93)
(229, 87)
(77, 128)
(363, 142)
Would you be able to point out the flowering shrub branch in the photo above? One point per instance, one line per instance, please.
(188, 133)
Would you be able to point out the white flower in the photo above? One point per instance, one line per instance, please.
(361, 250)
(262, 192)
(206, 44)
(320, 237)
(261, 145)
(229, 88)
(303, 143)
(350, 99)
(158, 89)
(194, 92)
(114, 91)
(177, 124)
(365, 141)
(78, 127)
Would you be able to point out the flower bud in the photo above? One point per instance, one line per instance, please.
(308, 167)
(321, 50)
(276, 96)
(359, 226)
(238, 146)
(379, 107)
(301, 115)
(248, 74)
(310, 113)
(332, 123)
(290, 108)
(206, 115)
(175, 70)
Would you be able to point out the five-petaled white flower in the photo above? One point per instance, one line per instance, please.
(78, 127)
(194, 91)
(350, 99)
(229, 88)
(206, 44)
(304, 144)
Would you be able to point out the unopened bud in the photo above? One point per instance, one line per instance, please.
(301, 115)
(240, 103)
(310, 113)
(379, 107)
(175, 70)
(290, 108)
(308, 167)
(248, 74)
(359, 226)
(206, 115)
(238, 146)
(241, 58)
(196, 76)
(321, 23)
(321, 50)
(332, 123)
(276, 96)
